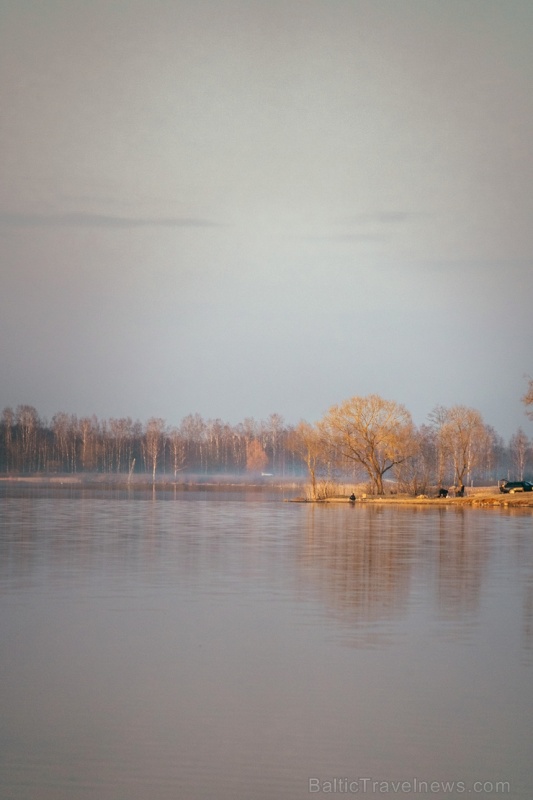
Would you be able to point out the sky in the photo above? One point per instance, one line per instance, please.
(244, 207)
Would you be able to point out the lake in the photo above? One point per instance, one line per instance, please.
(232, 646)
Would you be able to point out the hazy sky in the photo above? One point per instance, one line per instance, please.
(239, 207)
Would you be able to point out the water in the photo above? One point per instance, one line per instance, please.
(239, 647)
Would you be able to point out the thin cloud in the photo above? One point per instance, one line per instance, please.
(369, 227)
(383, 218)
(347, 237)
(100, 221)
(355, 237)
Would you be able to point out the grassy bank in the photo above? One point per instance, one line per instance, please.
(479, 496)
(476, 498)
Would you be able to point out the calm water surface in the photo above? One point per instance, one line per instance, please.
(236, 647)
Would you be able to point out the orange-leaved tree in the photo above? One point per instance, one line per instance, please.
(256, 458)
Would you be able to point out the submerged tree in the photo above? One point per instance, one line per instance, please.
(372, 432)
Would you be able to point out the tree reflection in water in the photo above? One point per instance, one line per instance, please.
(371, 564)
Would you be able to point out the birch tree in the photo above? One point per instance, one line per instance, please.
(120, 432)
(64, 429)
(88, 428)
(28, 424)
(519, 447)
(153, 441)
(193, 430)
(177, 450)
(274, 433)
(464, 438)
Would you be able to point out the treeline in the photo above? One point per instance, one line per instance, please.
(361, 439)
(71, 444)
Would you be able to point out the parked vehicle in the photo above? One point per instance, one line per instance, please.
(510, 487)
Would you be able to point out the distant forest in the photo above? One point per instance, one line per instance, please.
(69, 444)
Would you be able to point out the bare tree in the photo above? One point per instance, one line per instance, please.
(88, 430)
(153, 442)
(121, 435)
(372, 432)
(519, 447)
(8, 425)
(464, 438)
(64, 427)
(177, 450)
(28, 425)
(490, 457)
(418, 472)
(274, 431)
(193, 430)
(307, 442)
(437, 418)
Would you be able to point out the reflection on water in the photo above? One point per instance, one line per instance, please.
(462, 563)
(232, 646)
(361, 564)
(372, 569)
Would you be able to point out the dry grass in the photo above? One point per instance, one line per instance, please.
(478, 497)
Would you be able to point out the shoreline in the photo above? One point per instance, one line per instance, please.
(478, 500)
(482, 498)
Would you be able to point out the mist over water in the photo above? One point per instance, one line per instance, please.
(231, 645)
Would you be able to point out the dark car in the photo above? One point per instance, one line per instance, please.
(510, 487)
